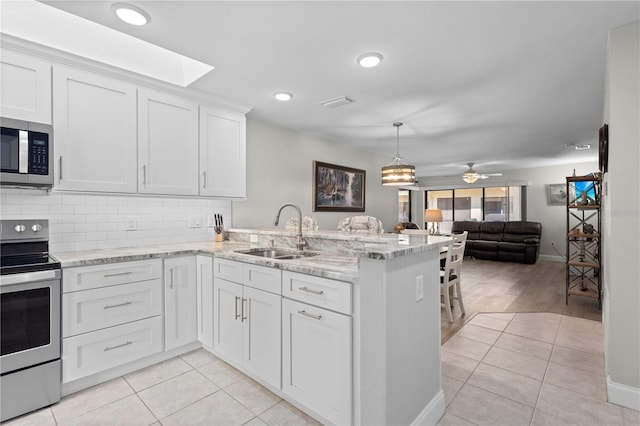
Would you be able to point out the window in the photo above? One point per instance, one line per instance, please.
(404, 205)
(501, 203)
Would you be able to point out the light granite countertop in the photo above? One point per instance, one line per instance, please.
(339, 262)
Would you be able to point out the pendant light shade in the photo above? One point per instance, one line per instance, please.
(398, 173)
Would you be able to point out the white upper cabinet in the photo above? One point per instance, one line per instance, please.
(167, 144)
(25, 88)
(94, 120)
(222, 153)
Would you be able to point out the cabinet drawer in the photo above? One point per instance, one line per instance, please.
(98, 308)
(263, 278)
(88, 277)
(97, 351)
(228, 270)
(323, 292)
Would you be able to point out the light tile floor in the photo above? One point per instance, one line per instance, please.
(528, 369)
(193, 389)
(499, 369)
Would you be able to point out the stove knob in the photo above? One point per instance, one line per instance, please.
(37, 227)
(20, 228)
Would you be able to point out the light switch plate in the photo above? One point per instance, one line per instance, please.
(253, 238)
(132, 223)
(195, 222)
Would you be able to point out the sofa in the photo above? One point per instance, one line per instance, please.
(506, 241)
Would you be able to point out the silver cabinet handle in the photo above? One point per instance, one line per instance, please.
(171, 278)
(204, 179)
(242, 318)
(117, 274)
(307, 314)
(118, 305)
(144, 175)
(110, 348)
(310, 290)
(23, 149)
(60, 168)
(236, 315)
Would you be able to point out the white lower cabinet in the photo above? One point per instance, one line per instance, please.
(204, 280)
(316, 361)
(180, 294)
(247, 319)
(111, 315)
(100, 350)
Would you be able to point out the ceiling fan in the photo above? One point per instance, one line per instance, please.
(470, 176)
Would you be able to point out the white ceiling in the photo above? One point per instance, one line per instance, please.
(503, 84)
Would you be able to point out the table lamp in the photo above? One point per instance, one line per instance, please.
(434, 216)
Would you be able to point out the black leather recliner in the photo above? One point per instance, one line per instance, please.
(517, 241)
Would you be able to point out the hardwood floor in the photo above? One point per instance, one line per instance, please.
(491, 286)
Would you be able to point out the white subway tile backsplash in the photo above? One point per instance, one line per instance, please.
(95, 221)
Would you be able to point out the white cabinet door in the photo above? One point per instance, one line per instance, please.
(222, 153)
(180, 301)
(261, 333)
(25, 87)
(94, 120)
(167, 144)
(204, 278)
(316, 359)
(227, 332)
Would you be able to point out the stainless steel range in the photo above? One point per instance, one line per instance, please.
(30, 368)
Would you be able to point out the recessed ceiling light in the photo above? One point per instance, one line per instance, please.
(283, 96)
(131, 14)
(369, 60)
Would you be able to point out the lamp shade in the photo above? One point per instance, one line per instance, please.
(398, 174)
(433, 215)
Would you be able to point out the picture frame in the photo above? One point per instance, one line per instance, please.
(603, 148)
(557, 194)
(338, 188)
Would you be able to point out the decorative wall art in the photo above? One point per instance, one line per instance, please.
(603, 148)
(557, 194)
(338, 188)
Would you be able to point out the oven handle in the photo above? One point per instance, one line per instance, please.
(29, 277)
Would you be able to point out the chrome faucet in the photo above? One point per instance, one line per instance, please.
(302, 243)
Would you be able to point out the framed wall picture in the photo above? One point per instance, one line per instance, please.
(557, 194)
(603, 148)
(338, 188)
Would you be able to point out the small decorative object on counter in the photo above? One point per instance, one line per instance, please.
(219, 228)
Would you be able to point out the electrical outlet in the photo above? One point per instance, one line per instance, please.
(195, 222)
(211, 221)
(132, 223)
(253, 238)
(419, 288)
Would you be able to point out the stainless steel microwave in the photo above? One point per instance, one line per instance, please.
(26, 153)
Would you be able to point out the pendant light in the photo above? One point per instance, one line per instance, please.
(398, 173)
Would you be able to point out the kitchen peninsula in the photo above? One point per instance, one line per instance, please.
(360, 320)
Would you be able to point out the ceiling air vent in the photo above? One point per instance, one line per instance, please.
(336, 102)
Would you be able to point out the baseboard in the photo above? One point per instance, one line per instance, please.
(624, 395)
(433, 412)
(551, 258)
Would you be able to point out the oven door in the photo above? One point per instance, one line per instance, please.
(29, 319)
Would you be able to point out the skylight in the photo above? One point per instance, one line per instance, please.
(37, 22)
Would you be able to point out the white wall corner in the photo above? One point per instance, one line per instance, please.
(433, 412)
(623, 395)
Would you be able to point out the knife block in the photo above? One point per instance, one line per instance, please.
(219, 236)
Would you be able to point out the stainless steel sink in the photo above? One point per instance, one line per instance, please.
(277, 253)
